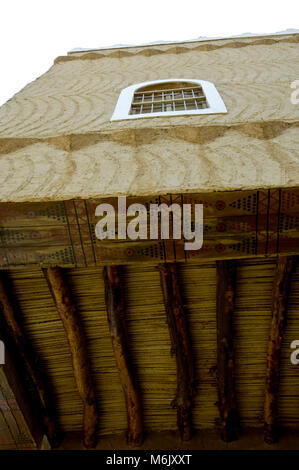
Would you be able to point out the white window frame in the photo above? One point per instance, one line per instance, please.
(123, 106)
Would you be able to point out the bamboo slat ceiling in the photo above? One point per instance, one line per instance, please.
(150, 343)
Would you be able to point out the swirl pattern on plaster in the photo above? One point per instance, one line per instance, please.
(232, 161)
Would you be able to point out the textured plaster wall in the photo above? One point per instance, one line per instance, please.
(57, 141)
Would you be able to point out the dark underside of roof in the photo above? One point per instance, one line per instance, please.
(153, 360)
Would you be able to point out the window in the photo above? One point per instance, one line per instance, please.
(168, 98)
(181, 96)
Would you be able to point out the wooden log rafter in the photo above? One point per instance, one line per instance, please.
(225, 304)
(116, 314)
(181, 347)
(77, 343)
(16, 427)
(281, 286)
(15, 335)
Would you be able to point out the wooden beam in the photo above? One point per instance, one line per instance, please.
(77, 343)
(14, 334)
(15, 431)
(281, 287)
(116, 314)
(225, 303)
(181, 346)
(20, 422)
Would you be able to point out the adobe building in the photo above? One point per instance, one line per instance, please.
(117, 343)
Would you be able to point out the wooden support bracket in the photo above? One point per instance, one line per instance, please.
(281, 287)
(115, 305)
(77, 343)
(12, 331)
(225, 304)
(181, 346)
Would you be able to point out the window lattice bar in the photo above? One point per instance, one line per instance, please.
(167, 100)
(168, 90)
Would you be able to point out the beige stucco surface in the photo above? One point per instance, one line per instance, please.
(57, 141)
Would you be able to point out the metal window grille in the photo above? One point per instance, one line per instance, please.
(164, 101)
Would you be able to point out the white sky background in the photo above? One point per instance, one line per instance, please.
(34, 32)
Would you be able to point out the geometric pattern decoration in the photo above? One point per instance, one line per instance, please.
(237, 224)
